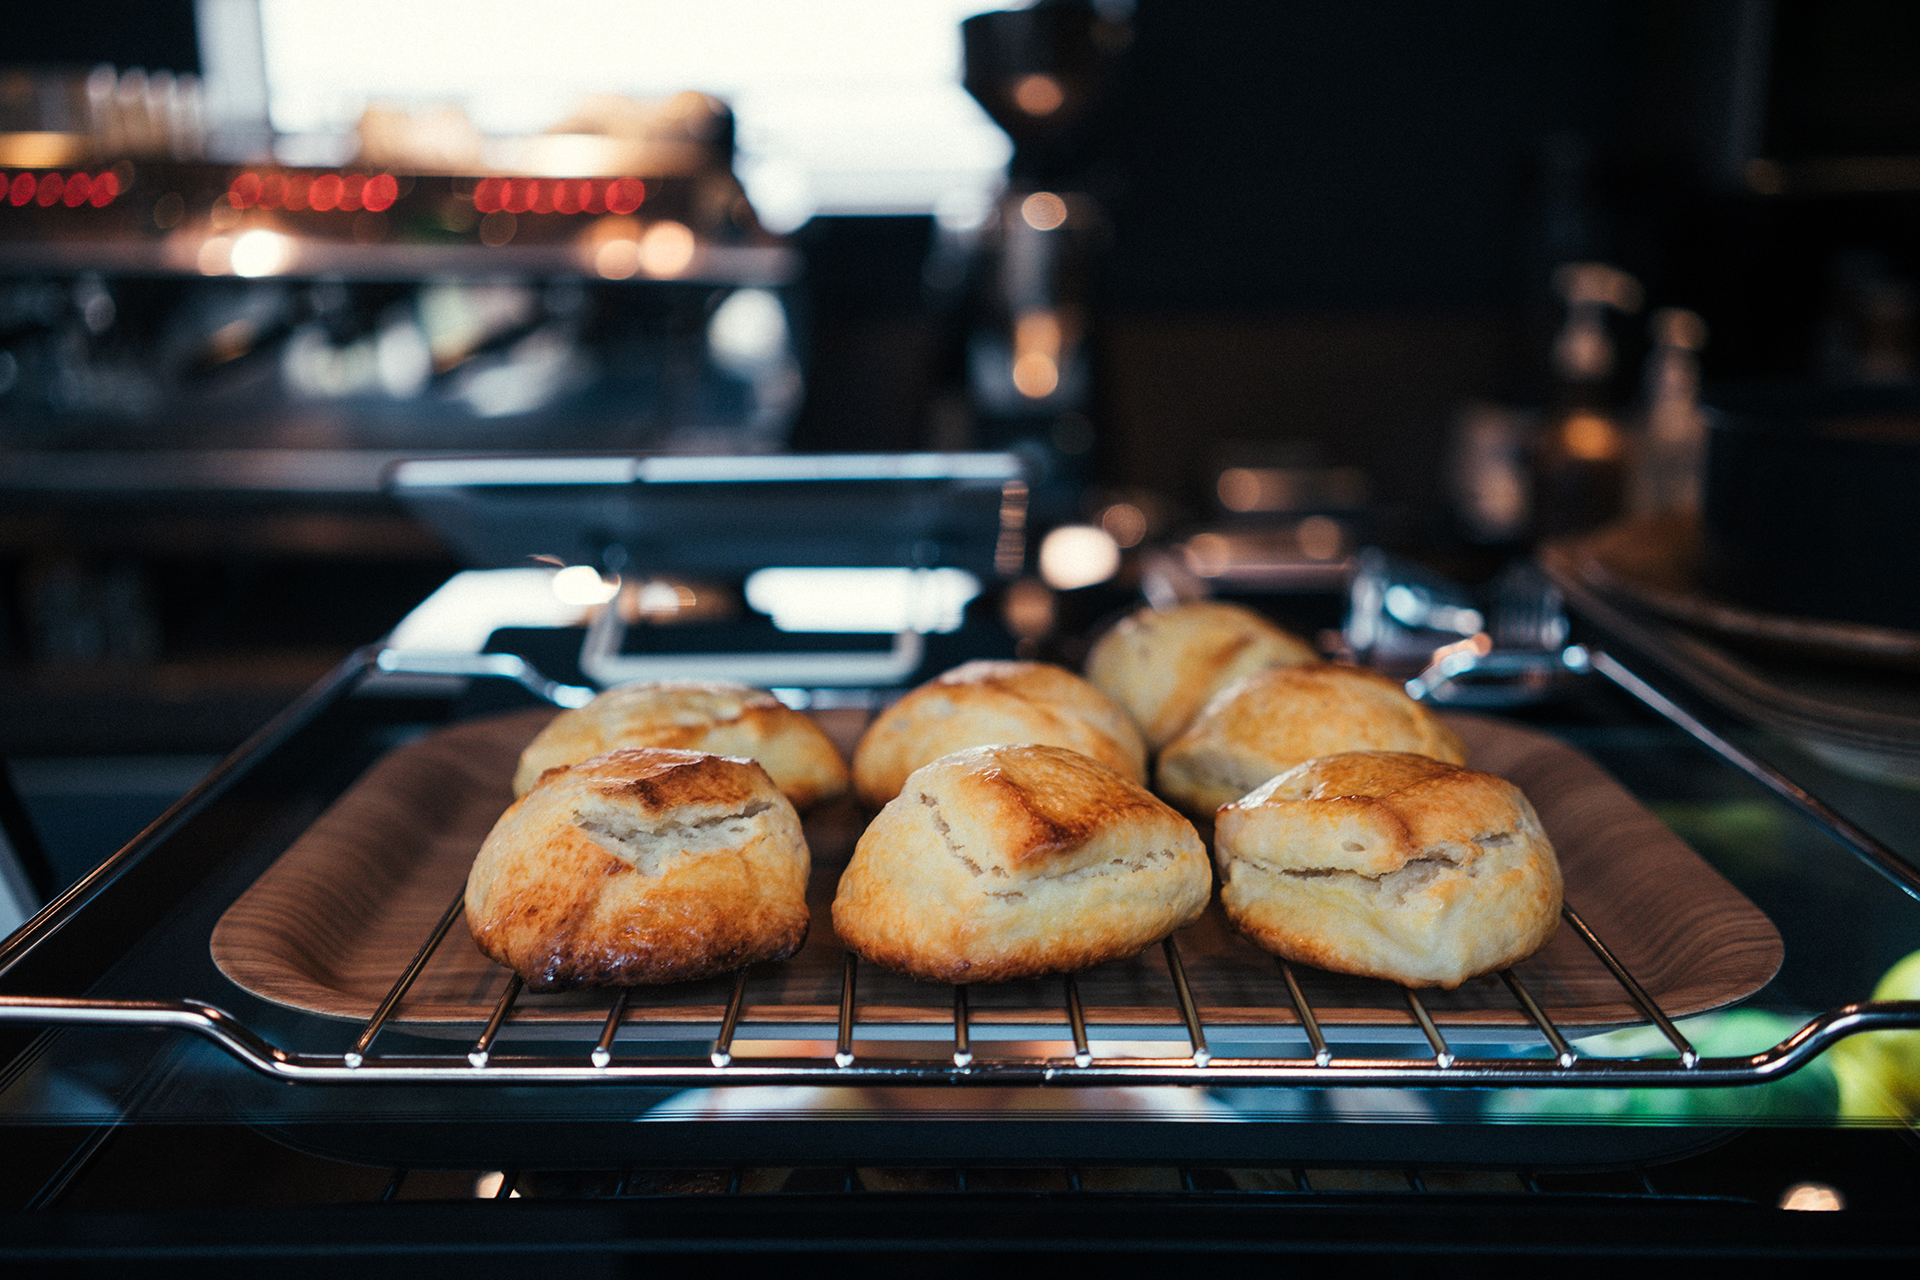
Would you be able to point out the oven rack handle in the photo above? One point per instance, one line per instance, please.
(222, 1029)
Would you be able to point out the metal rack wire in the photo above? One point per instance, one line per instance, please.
(481, 1063)
(844, 1065)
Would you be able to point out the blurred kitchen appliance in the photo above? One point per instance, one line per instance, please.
(821, 548)
(1810, 509)
(1041, 74)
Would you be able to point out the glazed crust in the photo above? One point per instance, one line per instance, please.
(725, 719)
(644, 865)
(1266, 723)
(985, 702)
(1162, 665)
(1003, 862)
(1390, 865)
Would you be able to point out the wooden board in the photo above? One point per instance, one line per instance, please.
(331, 924)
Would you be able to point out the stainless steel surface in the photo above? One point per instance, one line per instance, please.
(601, 660)
(417, 662)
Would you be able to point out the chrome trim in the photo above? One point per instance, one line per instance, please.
(602, 661)
(1865, 847)
(221, 1029)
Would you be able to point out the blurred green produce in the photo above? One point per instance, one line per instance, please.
(1809, 1095)
(1879, 1072)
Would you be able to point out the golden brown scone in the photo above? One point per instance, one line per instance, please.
(726, 719)
(980, 703)
(643, 865)
(1003, 862)
(1391, 865)
(1163, 664)
(1270, 721)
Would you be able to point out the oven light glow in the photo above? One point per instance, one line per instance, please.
(873, 601)
(666, 250)
(1044, 211)
(1078, 555)
(618, 258)
(1816, 1197)
(259, 252)
(582, 584)
(1039, 95)
(487, 1187)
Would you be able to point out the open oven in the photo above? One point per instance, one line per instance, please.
(262, 1024)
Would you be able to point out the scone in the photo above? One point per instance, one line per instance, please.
(1390, 865)
(726, 719)
(1270, 721)
(980, 703)
(1004, 862)
(1163, 665)
(644, 865)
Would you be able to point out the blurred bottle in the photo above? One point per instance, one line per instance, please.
(1672, 447)
(1580, 463)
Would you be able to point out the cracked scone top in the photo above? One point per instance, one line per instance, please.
(645, 865)
(1268, 722)
(1003, 862)
(983, 702)
(1391, 865)
(725, 719)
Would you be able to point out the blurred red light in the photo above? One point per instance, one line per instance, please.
(325, 192)
(50, 189)
(245, 191)
(380, 193)
(21, 191)
(487, 195)
(296, 191)
(105, 188)
(566, 197)
(595, 200)
(350, 187)
(273, 191)
(79, 187)
(543, 193)
(625, 194)
(516, 195)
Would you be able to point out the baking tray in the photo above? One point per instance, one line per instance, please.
(328, 927)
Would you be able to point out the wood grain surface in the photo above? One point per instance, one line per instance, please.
(331, 924)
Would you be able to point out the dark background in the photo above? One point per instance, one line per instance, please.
(1335, 223)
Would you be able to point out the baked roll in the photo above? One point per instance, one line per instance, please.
(1163, 665)
(1266, 723)
(725, 719)
(1003, 862)
(644, 865)
(1391, 865)
(984, 702)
